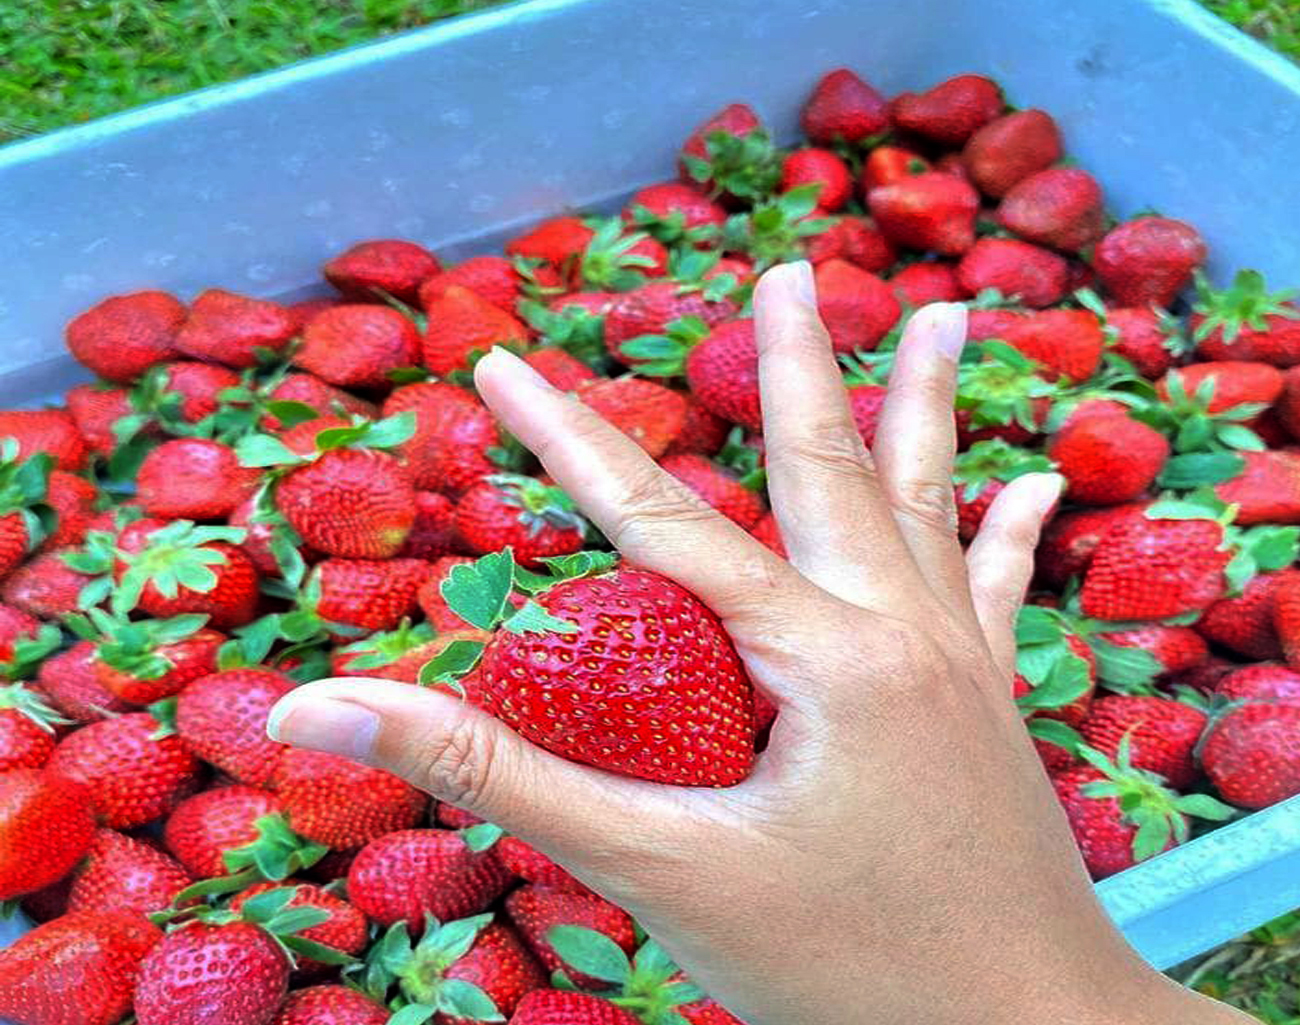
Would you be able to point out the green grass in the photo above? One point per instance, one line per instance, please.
(1275, 22)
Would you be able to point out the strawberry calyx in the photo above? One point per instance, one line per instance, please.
(1146, 802)
(540, 505)
(995, 460)
(94, 559)
(690, 269)
(664, 355)
(29, 703)
(481, 836)
(132, 646)
(267, 451)
(1243, 304)
(649, 984)
(299, 635)
(744, 460)
(774, 230)
(418, 970)
(29, 651)
(177, 555)
(23, 485)
(574, 328)
(385, 647)
(607, 263)
(745, 166)
(998, 385)
(670, 228)
(1056, 673)
(1205, 445)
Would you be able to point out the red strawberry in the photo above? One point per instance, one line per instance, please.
(94, 409)
(1202, 679)
(707, 1012)
(357, 503)
(48, 828)
(235, 974)
(45, 430)
(372, 594)
(737, 120)
(557, 241)
(404, 876)
(1146, 337)
(258, 534)
(193, 479)
(842, 107)
(854, 239)
(1161, 732)
(533, 866)
(330, 1005)
(1060, 207)
(124, 335)
(69, 680)
(144, 661)
(1067, 343)
(979, 475)
(1267, 490)
(768, 532)
(672, 212)
(202, 828)
(1176, 648)
(651, 308)
(857, 308)
(722, 371)
(559, 368)
(648, 413)
(888, 165)
(125, 875)
(357, 346)
(713, 722)
(132, 774)
(223, 327)
(563, 1007)
(303, 310)
(1264, 683)
(451, 817)
(344, 930)
(324, 398)
(73, 500)
(1070, 539)
(26, 728)
(1235, 383)
(494, 278)
(703, 433)
(1009, 149)
(23, 641)
(461, 323)
(536, 910)
(1245, 623)
(1252, 754)
(222, 719)
(453, 432)
(820, 167)
(340, 804)
(79, 969)
(45, 586)
(1017, 269)
(198, 386)
(1108, 459)
(1246, 322)
(950, 112)
(369, 268)
(929, 211)
(154, 556)
(1148, 260)
(398, 654)
(534, 519)
(927, 282)
(717, 487)
(1286, 616)
(433, 534)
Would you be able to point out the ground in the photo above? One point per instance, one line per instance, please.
(64, 62)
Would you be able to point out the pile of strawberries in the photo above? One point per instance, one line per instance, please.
(255, 494)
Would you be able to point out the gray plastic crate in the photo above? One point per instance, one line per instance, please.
(456, 134)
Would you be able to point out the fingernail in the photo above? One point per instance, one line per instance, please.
(505, 364)
(1045, 490)
(803, 286)
(948, 322)
(324, 724)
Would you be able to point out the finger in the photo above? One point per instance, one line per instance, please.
(462, 755)
(1001, 559)
(916, 441)
(834, 520)
(646, 513)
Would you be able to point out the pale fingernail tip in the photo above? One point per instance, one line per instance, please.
(325, 724)
(802, 283)
(1047, 489)
(948, 322)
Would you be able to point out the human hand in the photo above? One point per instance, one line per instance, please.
(897, 855)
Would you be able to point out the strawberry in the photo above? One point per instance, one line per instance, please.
(493, 278)
(888, 165)
(564, 1007)
(357, 346)
(1029, 273)
(536, 520)
(458, 972)
(722, 371)
(1146, 337)
(224, 327)
(133, 772)
(1009, 149)
(979, 475)
(1261, 683)
(843, 108)
(1070, 539)
(222, 719)
(344, 929)
(174, 568)
(1060, 207)
(261, 532)
(1252, 754)
(404, 876)
(197, 386)
(1066, 343)
(193, 479)
(950, 112)
(45, 586)
(707, 1012)
(1244, 623)
(857, 308)
(73, 500)
(24, 642)
(557, 241)
(822, 168)
(1286, 616)
(673, 212)
(433, 534)
(45, 430)
(1235, 383)
(854, 239)
(768, 532)
(392, 266)
(79, 969)
(340, 804)
(371, 594)
(929, 211)
(69, 680)
(94, 409)
(1246, 322)
(224, 829)
(560, 369)
(398, 654)
(1108, 459)
(648, 413)
(453, 432)
(533, 866)
(729, 154)
(125, 875)
(330, 1005)
(1161, 732)
(702, 433)
(461, 323)
(312, 391)
(1266, 490)
(652, 308)
(713, 721)
(716, 486)
(536, 910)
(1148, 260)
(48, 829)
(26, 728)
(451, 817)
(303, 310)
(124, 335)
(144, 661)
(927, 282)
(1175, 649)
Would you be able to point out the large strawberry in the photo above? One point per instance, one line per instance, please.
(857, 308)
(536, 520)
(377, 267)
(1108, 459)
(1162, 734)
(843, 108)
(717, 486)
(1148, 260)
(950, 112)
(821, 168)
(1244, 623)
(535, 910)
(929, 211)
(559, 368)
(46, 586)
(224, 327)
(123, 874)
(121, 337)
(652, 309)
(365, 594)
(51, 431)
(462, 323)
(48, 828)
(494, 278)
(79, 969)
(1147, 337)
(1009, 149)
(69, 680)
(1266, 490)
(453, 433)
(1028, 273)
(1065, 343)
(1264, 683)
(722, 371)
(73, 500)
(1252, 753)
(222, 719)
(854, 239)
(26, 728)
(648, 413)
(330, 1005)
(1224, 384)
(564, 1007)
(1060, 207)
(358, 345)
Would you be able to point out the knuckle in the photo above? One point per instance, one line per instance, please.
(652, 499)
(456, 763)
(829, 446)
(930, 502)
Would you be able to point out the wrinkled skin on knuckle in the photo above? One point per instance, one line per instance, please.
(925, 501)
(456, 763)
(652, 501)
(830, 446)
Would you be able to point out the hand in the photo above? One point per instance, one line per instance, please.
(897, 855)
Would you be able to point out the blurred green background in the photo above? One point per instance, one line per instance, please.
(68, 61)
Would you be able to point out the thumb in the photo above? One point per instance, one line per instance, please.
(460, 754)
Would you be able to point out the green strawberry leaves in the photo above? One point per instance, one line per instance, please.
(277, 853)
(774, 230)
(665, 355)
(1244, 304)
(607, 264)
(31, 704)
(481, 836)
(419, 972)
(1189, 470)
(450, 664)
(591, 953)
(176, 556)
(132, 646)
(745, 166)
(643, 985)
(479, 592)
